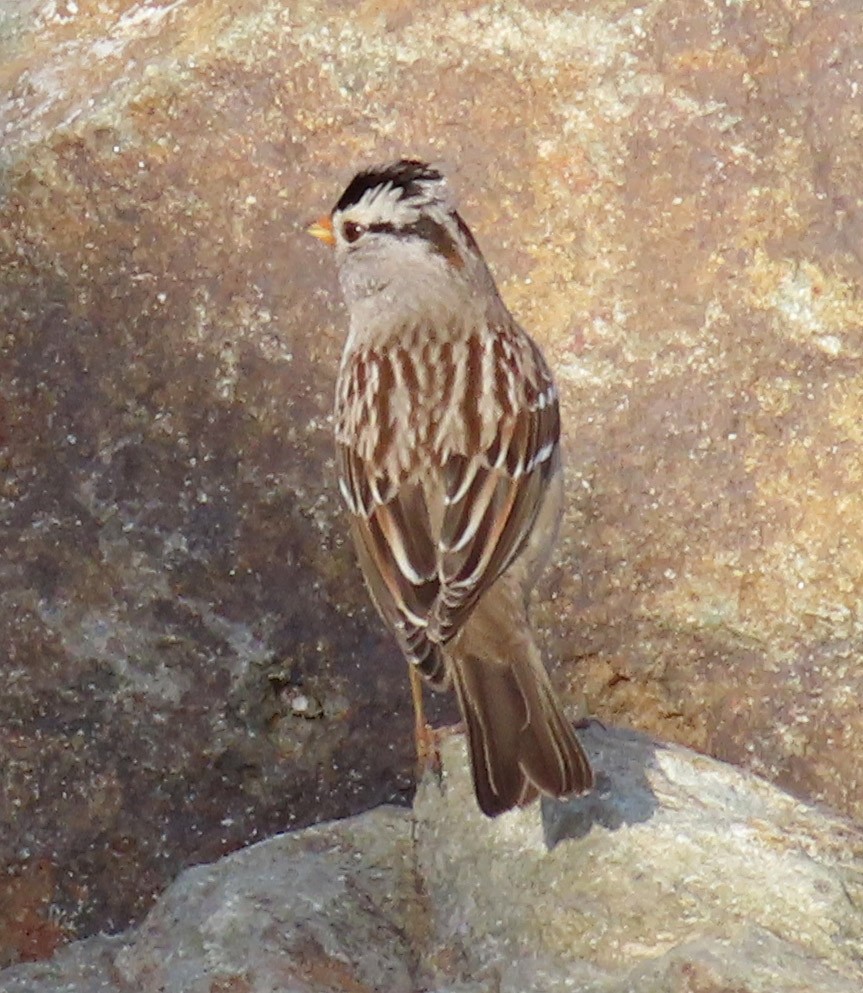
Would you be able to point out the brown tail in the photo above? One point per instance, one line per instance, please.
(520, 742)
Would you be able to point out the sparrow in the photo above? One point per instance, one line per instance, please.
(447, 433)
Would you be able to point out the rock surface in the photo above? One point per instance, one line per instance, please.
(680, 873)
(669, 193)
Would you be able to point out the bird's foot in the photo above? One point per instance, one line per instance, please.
(584, 723)
(428, 742)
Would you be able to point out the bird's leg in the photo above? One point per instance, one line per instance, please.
(427, 738)
(585, 719)
(424, 735)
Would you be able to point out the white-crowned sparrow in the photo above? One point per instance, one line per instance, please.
(447, 430)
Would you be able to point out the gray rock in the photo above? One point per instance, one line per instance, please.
(678, 873)
(677, 862)
(81, 967)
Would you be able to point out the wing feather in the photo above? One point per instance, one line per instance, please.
(432, 541)
(508, 516)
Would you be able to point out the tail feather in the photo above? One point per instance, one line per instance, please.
(519, 740)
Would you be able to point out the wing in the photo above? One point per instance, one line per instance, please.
(491, 505)
(433, 541)
(392, 533)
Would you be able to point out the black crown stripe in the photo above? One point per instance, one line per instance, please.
(406, 175)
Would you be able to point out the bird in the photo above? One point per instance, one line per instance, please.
(447, 435)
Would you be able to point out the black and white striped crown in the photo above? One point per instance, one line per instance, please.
(411, 180)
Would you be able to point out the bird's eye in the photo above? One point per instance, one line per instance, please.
(351, 230)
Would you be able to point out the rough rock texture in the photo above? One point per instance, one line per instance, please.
(680, 874)
(670, 194)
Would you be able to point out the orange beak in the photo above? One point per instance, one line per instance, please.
(322, 229)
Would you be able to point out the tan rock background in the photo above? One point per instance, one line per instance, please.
(670, 195)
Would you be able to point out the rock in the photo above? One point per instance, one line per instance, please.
(669, 194)
(678, 873)
(677, 868)
(81, 967)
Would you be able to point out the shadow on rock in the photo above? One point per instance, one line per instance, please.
(622, 794)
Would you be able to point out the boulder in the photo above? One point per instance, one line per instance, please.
(677, 873)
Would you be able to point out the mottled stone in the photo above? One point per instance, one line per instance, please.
(679, 873)
(677, 865)
(670, 195)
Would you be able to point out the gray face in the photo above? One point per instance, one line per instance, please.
(403, 253)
